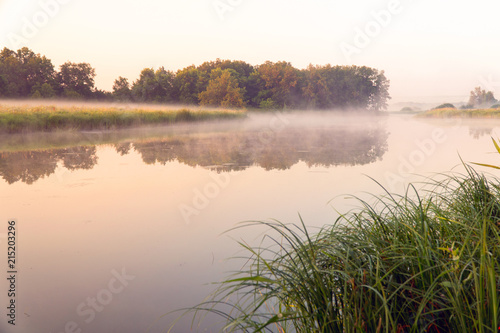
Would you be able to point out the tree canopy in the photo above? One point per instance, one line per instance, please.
(225, 83)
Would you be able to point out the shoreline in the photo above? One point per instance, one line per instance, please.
(460, 113)
(49, 118)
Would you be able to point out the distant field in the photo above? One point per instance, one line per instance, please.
(459, 113)
(26, 118)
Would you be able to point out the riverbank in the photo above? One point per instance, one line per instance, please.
(459, 113)
(418, 263)
(22, 119)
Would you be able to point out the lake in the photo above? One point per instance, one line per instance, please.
(115, 230)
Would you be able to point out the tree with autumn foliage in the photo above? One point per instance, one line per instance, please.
(271, 85)
(223, 90)
(277, 83)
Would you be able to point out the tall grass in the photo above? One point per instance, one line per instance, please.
(427, 261)
(46, 118)
(460, 113)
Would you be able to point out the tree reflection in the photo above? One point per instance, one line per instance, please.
(30, 166)
(223, 151)
(478, 132)
(27, 166)
(78, 158)
(281, 150)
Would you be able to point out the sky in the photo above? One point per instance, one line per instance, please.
(430, 50)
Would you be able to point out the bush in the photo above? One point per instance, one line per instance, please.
(445, 106)
(269, 104)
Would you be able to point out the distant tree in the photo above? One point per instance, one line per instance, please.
(154, 86)
(165, 85)
(241, 71)
(480, 98)
(121, 89)
(380, 95)
(23, 72)
(43, 91)
(279, 81)
(445, 106)
(143, 88)
(223, 90)
(188, 85)
(102, 95)
(344, 87)
(76, 80)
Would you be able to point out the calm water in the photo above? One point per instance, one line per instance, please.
(117, 229)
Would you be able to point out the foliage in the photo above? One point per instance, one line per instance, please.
(445, 106)
(271, 85)
(188, 85)
(223, 90)
(154, 86)
(121, 89)
(327, 87)
(76, 80)
(279, 80)
(481, 98)
(23, 72)
(408, 263)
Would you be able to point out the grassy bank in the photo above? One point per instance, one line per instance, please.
(423, 262)
(459, 113)
(15, 119)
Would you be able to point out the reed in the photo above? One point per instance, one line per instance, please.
(460, 113)
(16, 119)
(426, 261)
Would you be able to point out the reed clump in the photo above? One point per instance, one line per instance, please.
(426, 261)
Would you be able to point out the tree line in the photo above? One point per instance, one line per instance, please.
(225, 83)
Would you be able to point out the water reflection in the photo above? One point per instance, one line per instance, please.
(478, 132)
(30, 166)
(221, 151)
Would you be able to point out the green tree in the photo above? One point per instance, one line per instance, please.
(23, 72)
(188, 85)
(154, 86)
(76, 80)
(121, 89)
(223, 90)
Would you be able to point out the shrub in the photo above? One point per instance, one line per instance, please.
(445, 106)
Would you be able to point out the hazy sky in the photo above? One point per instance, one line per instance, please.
(427, 48)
